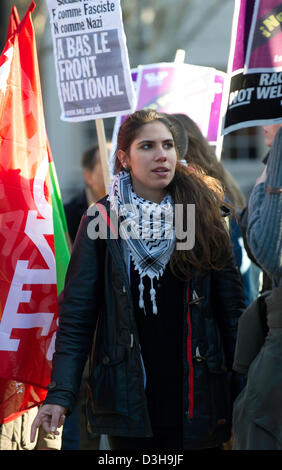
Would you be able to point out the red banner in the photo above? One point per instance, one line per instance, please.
(13, 22)
(28, 291)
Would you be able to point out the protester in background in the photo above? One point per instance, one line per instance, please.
(269, 133)
(265, 209)
(93, 191)
(258, 411)
(200, 153)
(166, 315)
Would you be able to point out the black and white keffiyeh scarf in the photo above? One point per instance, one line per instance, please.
(147, 228)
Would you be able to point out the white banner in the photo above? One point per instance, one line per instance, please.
(93, 72)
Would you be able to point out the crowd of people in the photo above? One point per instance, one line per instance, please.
(152, 332)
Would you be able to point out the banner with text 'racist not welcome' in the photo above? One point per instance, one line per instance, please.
(91, 59)
(255, 65)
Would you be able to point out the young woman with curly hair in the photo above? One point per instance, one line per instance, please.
(158, 317)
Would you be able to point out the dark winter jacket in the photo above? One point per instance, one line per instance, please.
(74, 210)
(98, 314)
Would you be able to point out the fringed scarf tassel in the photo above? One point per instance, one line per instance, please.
(152, 294)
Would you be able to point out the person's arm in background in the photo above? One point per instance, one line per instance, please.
(264, 231)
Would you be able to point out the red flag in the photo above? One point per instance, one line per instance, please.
(28, 291)
(14, 22)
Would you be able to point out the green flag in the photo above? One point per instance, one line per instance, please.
(61, 237)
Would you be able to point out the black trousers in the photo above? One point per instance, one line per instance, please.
(170, 442)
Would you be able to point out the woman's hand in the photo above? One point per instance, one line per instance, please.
(50, 417)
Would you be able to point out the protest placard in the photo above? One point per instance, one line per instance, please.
(255, 65)
(92, 67)
(179, 88)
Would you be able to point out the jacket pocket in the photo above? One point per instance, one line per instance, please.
(219, 390)
(220, 398)
(108, 384)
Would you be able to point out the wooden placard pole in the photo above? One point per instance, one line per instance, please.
(219, 147)
(179, 56)
(103, 152)
(220, 138)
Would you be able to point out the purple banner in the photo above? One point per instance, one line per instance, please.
(265, 44)
(177, 88)
(241, 27)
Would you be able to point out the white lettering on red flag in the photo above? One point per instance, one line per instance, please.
(35, 229)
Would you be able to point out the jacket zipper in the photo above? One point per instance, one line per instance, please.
(190, 362)
(189, 341)
(107, 219)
